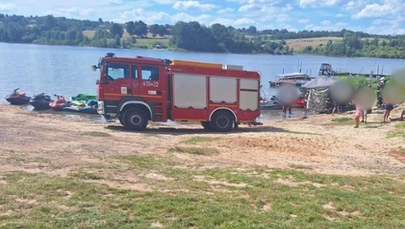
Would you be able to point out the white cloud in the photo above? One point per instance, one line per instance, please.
(328, 26)
(165, 2)
(6, 6)
(225, 10)
(326, 23)
(192, 5)
(388, 25)
(340, 15)
(114, 2)
(375, 10)
(355, 4)
(238, 1)
(254, 6)
(250, 8)
(139, 14)
(223, 21)
(70, 12)
(318, 3)
(203, 19)
(243, 22)
(303, 21)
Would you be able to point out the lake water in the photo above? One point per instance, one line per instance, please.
(66, 70)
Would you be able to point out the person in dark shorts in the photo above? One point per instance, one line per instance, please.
(335, 108)
(388, 108)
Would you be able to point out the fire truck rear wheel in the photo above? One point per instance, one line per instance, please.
(222, 121)
(135, 119)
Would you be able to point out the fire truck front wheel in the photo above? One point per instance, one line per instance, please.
(206, 125)
(222, 121)
(135, 119)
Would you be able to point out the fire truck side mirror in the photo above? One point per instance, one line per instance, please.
(97, 82)
(94, 68)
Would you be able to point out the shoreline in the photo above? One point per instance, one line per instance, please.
(186, 51)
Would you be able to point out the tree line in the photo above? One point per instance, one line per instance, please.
(191, 36)
(356, 45)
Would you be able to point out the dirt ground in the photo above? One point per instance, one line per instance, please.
(57, 145)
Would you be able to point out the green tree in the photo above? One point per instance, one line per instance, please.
(141, 29)
(130, 27)
(160, 30)
(223, 36)
(192, 36)
(116, 30)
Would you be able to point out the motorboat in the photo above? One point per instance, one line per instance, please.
(295, 78)
(271, 103)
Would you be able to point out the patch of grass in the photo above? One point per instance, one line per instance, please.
(343, 120)
(151, 42)
(398, 132)
(296, 166)
(214, 200)
(303, 132)
(145, 162)
(88, 176)
(195, 150)
(372, 126)
(198, 140)
(97, 134)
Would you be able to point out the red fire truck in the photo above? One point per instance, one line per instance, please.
(138, 89)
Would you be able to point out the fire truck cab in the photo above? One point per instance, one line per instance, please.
(138, 89)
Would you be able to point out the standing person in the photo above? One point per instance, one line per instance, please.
(366, 110)
(364, 116)
(287, 107)
(335, 108)
(388, 108)
(306, 103)
(359, 113)
(380, 87)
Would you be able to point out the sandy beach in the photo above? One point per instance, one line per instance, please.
(316, 144)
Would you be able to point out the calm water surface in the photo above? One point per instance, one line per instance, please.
(66, 70)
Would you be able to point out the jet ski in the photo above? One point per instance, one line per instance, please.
(84, 97)
(59, 103)
(17, 98)
(41, 101)
(88, 107)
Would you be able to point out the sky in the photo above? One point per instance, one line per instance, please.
(370, 16)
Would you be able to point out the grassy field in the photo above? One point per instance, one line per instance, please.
(399, 131)
(308, 173)
(200, 198)
(299, 44)
(151, 42)
(89, 33)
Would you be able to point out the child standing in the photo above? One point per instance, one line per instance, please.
(358, 115)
